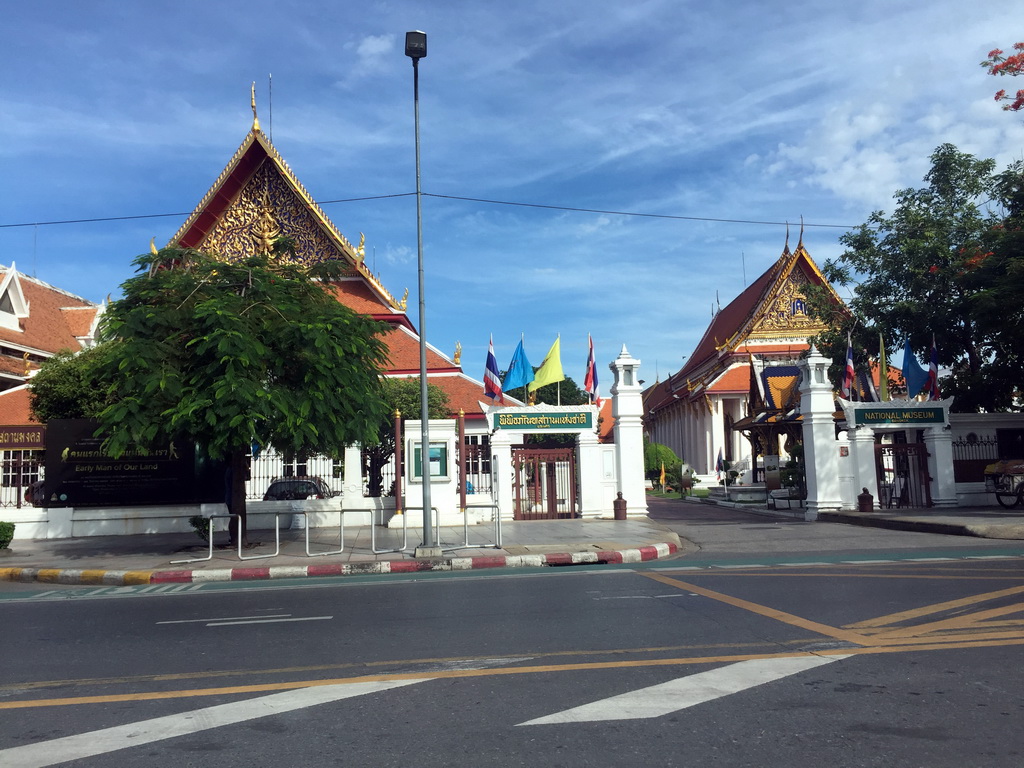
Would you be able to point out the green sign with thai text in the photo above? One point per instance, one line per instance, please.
(555, 421)
(871, 416)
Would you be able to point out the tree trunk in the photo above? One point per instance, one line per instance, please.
(238, 468)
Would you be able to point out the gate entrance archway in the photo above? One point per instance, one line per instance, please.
(545, 483)
(903, 479)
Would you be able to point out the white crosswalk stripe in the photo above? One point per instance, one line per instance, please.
(684, 692)
(135, 734)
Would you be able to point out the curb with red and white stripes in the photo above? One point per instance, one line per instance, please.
(132, 578)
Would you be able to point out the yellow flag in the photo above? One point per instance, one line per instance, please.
(550, 370)
(662, 478)
(883, 371)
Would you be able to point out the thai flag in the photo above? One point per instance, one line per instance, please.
(849, 373)
(492, 382)
(590, 380)
(719, 466)
(932, 385)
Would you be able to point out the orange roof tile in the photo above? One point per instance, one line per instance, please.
(606, 422)
(79, 319)
(357, 295)
(404, 354)
(736, 379)
(15, 410)
(46, 328)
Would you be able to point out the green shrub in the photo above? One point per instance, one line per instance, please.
(201, 525)
(6, 534)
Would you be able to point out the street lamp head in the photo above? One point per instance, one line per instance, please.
(416, 44)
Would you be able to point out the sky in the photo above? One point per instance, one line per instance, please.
(716, 124)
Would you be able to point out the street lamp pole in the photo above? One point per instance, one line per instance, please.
(416, 49)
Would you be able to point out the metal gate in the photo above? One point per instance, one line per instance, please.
(903, 479)
(545, 483)
(20, 470)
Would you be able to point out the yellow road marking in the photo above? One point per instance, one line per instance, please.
(928, 610)
(371, 664)
(796, 574)
(955, 622)
(989, 625)
(496, 672)
(786, 618)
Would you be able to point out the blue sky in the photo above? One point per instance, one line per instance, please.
(754, 111)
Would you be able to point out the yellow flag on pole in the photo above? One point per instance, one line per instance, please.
(662, 478)
(550, 370)
(883, 371)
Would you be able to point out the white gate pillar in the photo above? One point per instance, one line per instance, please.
(821, 453)
(588, 453)
(628, 410)
(865, 466)
(502, 472)
(939, 442)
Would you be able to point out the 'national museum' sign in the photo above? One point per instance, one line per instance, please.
(911, 415)
(557, 421)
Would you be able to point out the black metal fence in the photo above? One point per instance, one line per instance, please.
(971, 454)
(268, 464)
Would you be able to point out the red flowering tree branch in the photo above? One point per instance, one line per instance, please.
(999, 64)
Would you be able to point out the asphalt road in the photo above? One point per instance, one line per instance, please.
(707, 660)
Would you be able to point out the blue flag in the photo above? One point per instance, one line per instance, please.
(915, 376)
(520, 372)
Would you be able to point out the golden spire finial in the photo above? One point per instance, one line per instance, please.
(255, 120)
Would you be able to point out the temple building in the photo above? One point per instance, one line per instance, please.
(736, 396)
(257, 199)
(37, 321)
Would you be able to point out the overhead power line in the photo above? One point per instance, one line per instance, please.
(632, 213)
(569, 208)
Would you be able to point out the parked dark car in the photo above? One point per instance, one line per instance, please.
(298, 488)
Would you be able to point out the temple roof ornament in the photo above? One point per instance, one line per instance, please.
(258, 198)
(255, 119)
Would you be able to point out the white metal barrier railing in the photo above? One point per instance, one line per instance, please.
(465, 527)
(341, 534)
(209, 539)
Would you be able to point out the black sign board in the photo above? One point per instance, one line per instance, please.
(80, 474)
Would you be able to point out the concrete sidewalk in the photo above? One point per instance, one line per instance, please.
(993, 522)
(152, 559)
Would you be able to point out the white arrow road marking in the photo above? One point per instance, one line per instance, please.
(267, 621)
(226, 618)
(135, 734)
(685, 692)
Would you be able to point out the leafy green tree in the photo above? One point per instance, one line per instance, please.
(227, 354)
(657, 455)
(65, 387)
(568, 390)
(402, 395)
(920, 271)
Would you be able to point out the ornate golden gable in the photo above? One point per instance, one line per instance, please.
(271, 203)
(784, 313)
(267, 208)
